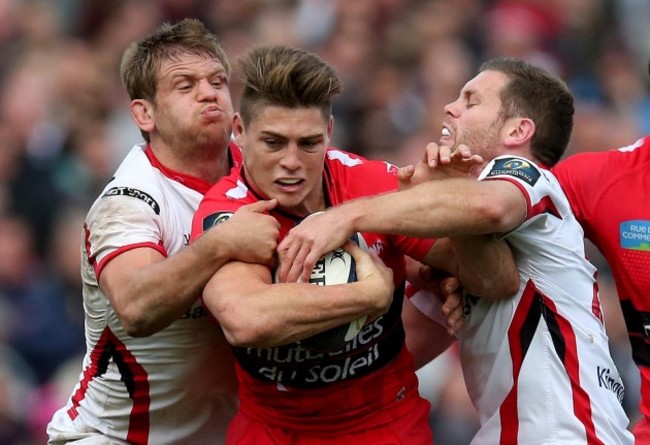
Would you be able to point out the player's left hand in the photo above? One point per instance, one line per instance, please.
(444, 287)
(452, 308)
(439, 162)
(307, 242)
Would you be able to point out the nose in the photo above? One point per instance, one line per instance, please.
(451, 109)
(290, 158)
(206, 90)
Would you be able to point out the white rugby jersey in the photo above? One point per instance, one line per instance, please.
(537, 366)
(176, 386)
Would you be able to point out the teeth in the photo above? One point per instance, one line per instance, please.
(445, 131)
(289, 181)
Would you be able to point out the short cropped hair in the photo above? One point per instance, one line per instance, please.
(142, 59)
(535, 93)
(286, 77)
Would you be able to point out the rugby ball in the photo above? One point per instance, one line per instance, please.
(336, 267)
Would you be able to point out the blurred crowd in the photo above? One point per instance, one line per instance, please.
(65, 124)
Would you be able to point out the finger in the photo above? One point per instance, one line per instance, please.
(450, 285)
(463, 151)
(406, 173)
(431, 154)
(454, 322)
(302, 265)
(310, 262)
(445, 154)
(261, 206)
(287, 253)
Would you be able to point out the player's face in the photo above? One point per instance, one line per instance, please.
(284, 155)
(193, 107)
(473, 118)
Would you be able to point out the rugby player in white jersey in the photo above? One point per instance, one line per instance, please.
(157, 371)
(537, 365)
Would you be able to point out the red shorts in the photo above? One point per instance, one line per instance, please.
(410, 429)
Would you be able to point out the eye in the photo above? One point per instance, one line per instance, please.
(218, 82)
(273, 143)
(184, 86)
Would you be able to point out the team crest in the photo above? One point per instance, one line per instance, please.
(215, 219)
(515, 167)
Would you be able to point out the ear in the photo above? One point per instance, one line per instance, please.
(330, 128)
(142, 113)
(519, 131)
(238, 130)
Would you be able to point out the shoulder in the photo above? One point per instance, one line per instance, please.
(231, 187)
(221, 201)
(514, 168)
(134, 184)
(345, 162)
(357, 176)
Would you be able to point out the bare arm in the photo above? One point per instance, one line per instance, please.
(254, 312)
(432, 209)
(149, 291)
(484, 266)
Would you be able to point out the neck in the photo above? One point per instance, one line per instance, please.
(207, 163)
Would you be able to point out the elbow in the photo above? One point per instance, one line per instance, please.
(246, 330)
(137, 325)
(138, 321)
(247, 336)
(494, 214)
(500, 288)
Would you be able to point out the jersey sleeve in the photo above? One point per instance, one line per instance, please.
(121, 222)
(352, 176)
(539, 187)
(575, 175)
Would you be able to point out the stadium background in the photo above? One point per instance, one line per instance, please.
(64, 126)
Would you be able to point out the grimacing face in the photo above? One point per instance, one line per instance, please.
(284, 155)
(473, 118)
(193, 104)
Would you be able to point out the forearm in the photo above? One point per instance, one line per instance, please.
(149, 291)
(430, 210)
(486, 267)
(257, 313)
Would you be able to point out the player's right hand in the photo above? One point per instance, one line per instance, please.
(374, 277)
(255, 233)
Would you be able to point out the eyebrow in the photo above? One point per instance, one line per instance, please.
(467, 94)
(310, 137)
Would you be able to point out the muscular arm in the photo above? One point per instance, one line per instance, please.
(484, 266)
(254, 312)
(434, 209)
(149, 291)
(437, 209)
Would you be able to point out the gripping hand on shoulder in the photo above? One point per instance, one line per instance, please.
(252, 234)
